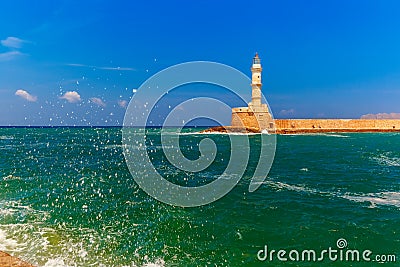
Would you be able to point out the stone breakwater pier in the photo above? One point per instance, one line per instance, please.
(299, 126)
(335, 125)
(256, 117)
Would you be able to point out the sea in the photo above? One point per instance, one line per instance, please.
(67, 198)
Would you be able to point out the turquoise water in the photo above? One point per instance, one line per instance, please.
(68, 199)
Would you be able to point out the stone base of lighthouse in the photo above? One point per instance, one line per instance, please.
(257, 118)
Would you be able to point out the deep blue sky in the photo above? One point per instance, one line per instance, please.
(320, 58)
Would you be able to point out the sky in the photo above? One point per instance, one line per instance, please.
(80, 62)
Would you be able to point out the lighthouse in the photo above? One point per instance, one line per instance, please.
(256, 115)
(256, 81)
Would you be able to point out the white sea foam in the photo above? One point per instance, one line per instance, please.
(216, 133)
(336, 135)
(233, 133)
(12, 207)
(56, 262)
(319, 134)
(11, 177)
(65, 262)
(61, 245)
(382, 198)
(375, 199)
(6, 243)
(156, 263)
(385, 159)
(297, 188)
(6, 137)
(39, 243)
(328, 135)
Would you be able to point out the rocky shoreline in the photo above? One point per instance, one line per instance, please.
(244, 130)
(6, 260)
(231, 129)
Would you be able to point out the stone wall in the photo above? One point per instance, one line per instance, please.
(245, 117)
(336, 125)
(242, 117)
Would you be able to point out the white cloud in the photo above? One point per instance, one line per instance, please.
(98, 101)
(9, 55)
(286, 112)
(76, 65)
(99, 67)
(25, 95)
(116, 68)
(122, 103)
(12, 42)
(71, 97)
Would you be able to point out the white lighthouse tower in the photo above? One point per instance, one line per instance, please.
(256, 81)
(256, 115)
(256, 105)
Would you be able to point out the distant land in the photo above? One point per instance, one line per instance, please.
(381, 116)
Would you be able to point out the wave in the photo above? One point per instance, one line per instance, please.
(319, 134)
(16, 208)
(157, 263)
(11, 177)
(297, 188)
(56, 262)
(336, 135)
(381, 198)
(24, 233)
(386, 198)
(60, 262)
(384, 159)
(6, 137)
(7, 244)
